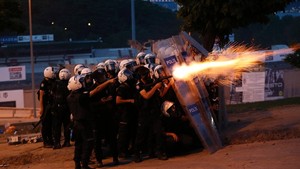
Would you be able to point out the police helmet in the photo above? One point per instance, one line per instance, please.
(74, 83)
(142, 71)
(110, 65)
(124, 75)
(166, 108)
(124, 64)
(49, 72)
(158, 70)
(86, 71)
(150, 58)
(78, 68)
(140, 58)
(99, 75)
(64, 74)
(100, 65)
(151, 67)
(132, 62)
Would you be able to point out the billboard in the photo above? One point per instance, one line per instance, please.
(26, 38)
(8, 39)
(13, 73)
(274, 84)
(36, 38)
(12, 98)
(253, 87)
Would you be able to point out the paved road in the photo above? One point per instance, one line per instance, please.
(280, 154)
(276, 154)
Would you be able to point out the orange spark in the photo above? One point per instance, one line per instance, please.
(230, 61)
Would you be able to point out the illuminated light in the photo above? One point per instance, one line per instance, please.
(186, 71)
(232, 61)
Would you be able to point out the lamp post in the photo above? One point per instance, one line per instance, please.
(133, 38)
(32, 59)
(132, 20)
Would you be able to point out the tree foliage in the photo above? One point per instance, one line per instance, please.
(277, 31)
(10, 14)
(110, 20)
(294, 59)
(218, 18)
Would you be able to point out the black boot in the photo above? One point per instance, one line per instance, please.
(57, 146)
(85, 165)
(99, 164)
(137, 158)
(116, 161)
(66, 144)
(162, 156)
(77, 165)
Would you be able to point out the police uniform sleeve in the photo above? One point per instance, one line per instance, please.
(139, 87)
(121, 91)
(84, 97)
(43, 85)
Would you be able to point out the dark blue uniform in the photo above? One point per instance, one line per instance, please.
(61, 113)
(78, 102)
(105, 122)
(149, 124)
(128, 114)
(46, 86)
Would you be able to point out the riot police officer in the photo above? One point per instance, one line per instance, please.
(149, 121)
(102, 105)
(60, 109)
(46, 100)
(127, 111)
(78, 102)
(180, 136)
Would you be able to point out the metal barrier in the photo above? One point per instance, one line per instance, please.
(11, 112)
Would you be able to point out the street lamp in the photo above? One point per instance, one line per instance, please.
(132, 21)
(133, 24)
(31, 59)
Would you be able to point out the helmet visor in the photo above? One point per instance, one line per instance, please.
(111, 67)
(128, 74)
(150, 60)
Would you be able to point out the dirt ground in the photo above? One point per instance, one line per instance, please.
(252, 140)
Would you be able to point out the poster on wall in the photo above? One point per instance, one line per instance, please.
(12, 98)
(253, 86)
(274, 84)
(12, 73)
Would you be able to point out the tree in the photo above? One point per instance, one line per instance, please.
(217, 18)
(10, 14)
(110, 20)
(277, 31)
(294, 59)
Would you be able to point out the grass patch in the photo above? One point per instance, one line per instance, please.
(239, 108)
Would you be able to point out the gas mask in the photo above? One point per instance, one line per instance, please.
(87, 82)
(99, 76)
(148, 79)
(172, 112)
